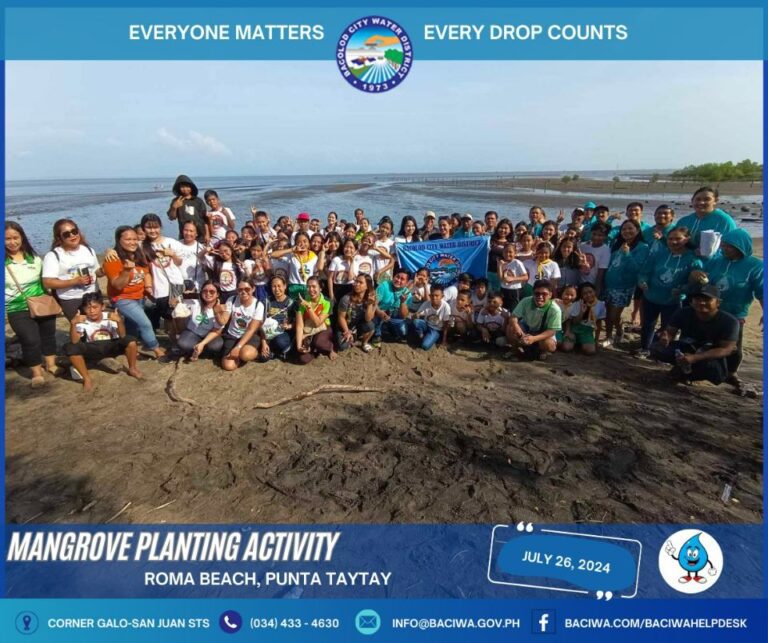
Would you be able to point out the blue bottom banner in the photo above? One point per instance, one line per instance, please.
(521, 561)
(382, 620)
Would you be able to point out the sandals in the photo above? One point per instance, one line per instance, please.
(742, 389)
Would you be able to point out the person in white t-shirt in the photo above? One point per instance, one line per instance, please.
(541, 267)
(166, 257)
(383, 264)
(200, 333)
(97, 335)
(258, 269)
(432, 318)
(492, 321)
(264, 232)
(598, 255)
(71, 267)
(340, 272)
(219, 218)
(364, 262)
(193, 261)
(512, 275)
(244, 316)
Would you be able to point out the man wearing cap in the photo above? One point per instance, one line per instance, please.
(708, 336)
(303, 221)
(465, 230)
(429, 225)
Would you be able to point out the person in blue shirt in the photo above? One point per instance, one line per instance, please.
(706, 216)
(628, 255)
(392, 312)
(663, 280)
(739, 278)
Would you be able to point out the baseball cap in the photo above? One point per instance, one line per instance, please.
(304, 216)
(590, 205)
(430, 215)
(467, 216)
(705, 290)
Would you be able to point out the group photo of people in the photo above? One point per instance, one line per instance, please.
(203, 282)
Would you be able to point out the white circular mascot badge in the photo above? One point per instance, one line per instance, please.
(690, 561)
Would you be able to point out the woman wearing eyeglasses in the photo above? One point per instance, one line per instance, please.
(242, 319)
(71, 267)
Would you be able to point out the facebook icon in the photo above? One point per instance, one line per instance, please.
(543, 622)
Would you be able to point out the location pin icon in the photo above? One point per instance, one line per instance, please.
(27, 619)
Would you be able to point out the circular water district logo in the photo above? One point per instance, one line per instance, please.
(374, 54)
(443, 268)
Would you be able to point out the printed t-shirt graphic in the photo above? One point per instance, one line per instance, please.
(98, 331)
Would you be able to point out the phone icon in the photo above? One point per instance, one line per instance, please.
(230, 622)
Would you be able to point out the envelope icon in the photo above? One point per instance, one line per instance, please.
(368, 621)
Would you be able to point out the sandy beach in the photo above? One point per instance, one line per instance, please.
(459, 435)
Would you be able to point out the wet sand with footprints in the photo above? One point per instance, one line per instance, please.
(458, 436)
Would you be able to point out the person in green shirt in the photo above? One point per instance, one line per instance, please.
(24, 279)
(534, 323)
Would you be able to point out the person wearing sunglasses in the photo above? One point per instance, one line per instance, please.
(71, 267)
(206, 315)
(242, 320)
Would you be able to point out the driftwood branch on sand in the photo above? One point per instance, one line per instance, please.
(175, 396)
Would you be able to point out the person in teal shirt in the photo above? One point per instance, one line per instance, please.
(537, 217)
(706, 216)
(739, 277)
(628, 255)
(602, 215)
(393, 298)
(663, 280)
(656, 235)
(465, 231)
(634, 212)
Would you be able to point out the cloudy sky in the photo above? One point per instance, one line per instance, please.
(150, 119)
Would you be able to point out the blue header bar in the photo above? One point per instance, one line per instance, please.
(437, 33)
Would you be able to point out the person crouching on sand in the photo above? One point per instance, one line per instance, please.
(97, 335)
(313, 332)
(432, 318)
(200, 334)
(355, 315)
(534, 323)
(244, 315)
(584, 320)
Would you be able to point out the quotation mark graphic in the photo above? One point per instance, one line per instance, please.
(601, 594)
(521, 526)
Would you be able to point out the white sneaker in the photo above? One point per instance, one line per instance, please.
(606, 343)
(75, 374)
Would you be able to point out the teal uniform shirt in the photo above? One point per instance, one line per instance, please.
(665, 272)
(740, 282)
(716, 220)
(623, 269)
